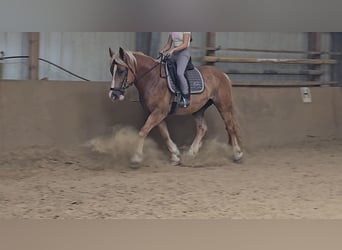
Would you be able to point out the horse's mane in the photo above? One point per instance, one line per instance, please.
(142, 54)
(131, 57)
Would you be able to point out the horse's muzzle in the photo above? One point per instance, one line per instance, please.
(116, 95)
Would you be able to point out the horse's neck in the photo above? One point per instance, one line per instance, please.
(144, 63)
(146, 70)
(149, 82)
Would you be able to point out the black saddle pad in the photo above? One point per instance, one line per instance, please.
(194, 78)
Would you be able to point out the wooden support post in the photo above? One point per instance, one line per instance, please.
(34, 55)
(2, 54)
(314, 44)
(336, 46)
(211, 44)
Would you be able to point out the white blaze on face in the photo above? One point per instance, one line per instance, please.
(113, 81)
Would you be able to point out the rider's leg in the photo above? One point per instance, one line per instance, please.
(182, 59)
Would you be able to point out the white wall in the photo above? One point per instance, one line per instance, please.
(83, 53)
(14, 44)
(86, 53)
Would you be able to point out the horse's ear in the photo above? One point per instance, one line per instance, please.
(110, 52)
(122, 53)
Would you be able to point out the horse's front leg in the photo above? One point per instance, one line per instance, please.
(153, 119)
(175, 154)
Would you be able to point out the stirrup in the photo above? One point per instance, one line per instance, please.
(184, 102)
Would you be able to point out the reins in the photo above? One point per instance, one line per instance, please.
(163, 59)
(124, 84)
(148, 71)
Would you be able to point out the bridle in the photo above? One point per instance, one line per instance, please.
(124, 85)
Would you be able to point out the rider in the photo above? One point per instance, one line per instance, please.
(177, 47)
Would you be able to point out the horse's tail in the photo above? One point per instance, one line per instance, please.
(235, 112)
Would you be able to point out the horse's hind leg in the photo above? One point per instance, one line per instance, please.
(226, 113)
(170, 144)
(201, 129)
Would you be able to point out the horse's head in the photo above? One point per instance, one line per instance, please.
(123, 66)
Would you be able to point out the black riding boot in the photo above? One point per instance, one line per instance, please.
(185, 100)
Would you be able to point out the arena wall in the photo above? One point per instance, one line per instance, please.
(67, 113)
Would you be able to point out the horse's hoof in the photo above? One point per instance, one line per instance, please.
(134, 165)
(136, 159)
(191, 154)
(175, 163)
(238, 157)
(175, 160)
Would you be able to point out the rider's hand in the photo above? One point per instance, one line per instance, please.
(169, 53)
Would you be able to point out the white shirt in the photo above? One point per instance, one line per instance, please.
(177, 38)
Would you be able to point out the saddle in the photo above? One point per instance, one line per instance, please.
(192, 75)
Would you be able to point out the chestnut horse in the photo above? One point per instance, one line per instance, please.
(134, 68)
